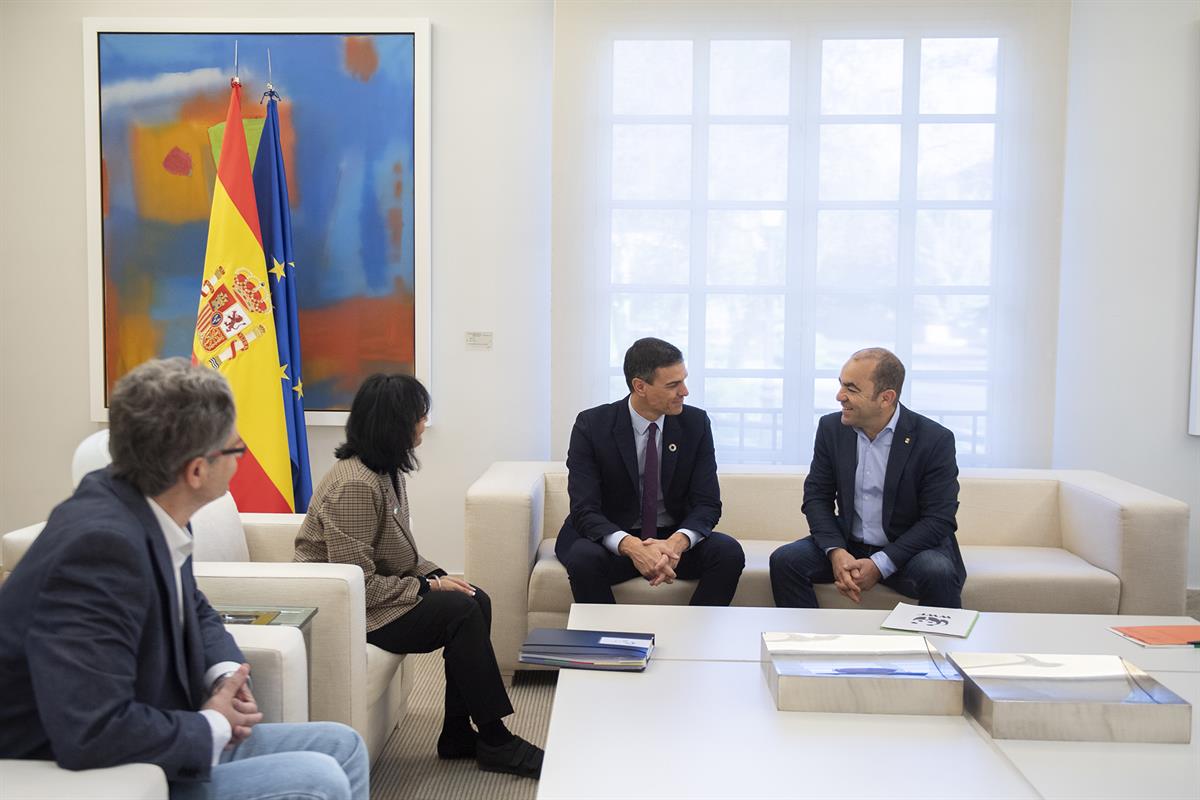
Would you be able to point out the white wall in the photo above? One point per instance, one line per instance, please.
(1129, 248)
(491, 264)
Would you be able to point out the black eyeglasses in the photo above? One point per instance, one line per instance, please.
(236, 452)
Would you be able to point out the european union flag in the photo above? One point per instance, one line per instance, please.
(275, 219)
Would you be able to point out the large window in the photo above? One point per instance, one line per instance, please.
(773, 205)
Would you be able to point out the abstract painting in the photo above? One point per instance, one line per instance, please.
(354, 130)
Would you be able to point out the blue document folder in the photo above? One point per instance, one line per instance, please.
(560, 647)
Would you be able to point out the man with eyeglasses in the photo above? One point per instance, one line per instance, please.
(110, 654)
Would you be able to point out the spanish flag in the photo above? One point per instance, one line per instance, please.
(235, 328)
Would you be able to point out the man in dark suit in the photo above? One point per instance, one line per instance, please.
(880, 498)
(643, 503)
(110, 654)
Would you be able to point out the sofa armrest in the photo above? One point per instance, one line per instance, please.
(22, 779)
(278, 668)
(1137, 534)
(503, 530)
(15, 544)
(271, 537)
(338, 656)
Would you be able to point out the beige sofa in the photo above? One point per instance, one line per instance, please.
(350, 681)
(1061, 541)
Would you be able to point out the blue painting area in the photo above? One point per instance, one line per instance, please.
(349, 136)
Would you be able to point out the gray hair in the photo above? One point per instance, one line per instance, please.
(162, 415)
(889, 371)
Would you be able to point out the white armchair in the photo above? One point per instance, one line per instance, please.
(246, 559)
(278, 663)
(350, 681)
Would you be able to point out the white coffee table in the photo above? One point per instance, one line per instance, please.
(700, 722)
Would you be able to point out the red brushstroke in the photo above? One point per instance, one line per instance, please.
(178, 162)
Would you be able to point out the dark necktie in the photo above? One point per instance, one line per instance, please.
(650, 485)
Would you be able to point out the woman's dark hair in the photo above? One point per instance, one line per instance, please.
(383, 419)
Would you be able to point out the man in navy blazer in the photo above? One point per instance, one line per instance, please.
(642, 480)
(110, 654)
(880, 498)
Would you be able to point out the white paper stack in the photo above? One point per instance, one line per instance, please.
(860, 674)
(1087, 698)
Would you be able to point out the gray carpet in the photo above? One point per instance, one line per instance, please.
(409, 769)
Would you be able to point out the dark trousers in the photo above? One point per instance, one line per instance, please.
(717, 560)
(461, 625)
(930, 576)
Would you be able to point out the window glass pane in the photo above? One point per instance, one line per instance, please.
(825, 396)
(747, 162)
(652, 77)
(950, 332)
(749, 77)
(857, 248)
(652, 162)
(652, 314)
(747, 431)
(747, 248)
(954, 247)
(958, 76)
(861, 76)
(650, 246)
(860, 162)
(743, 392)
(969, 431)
(932, 397)
(845, 324)
(744, 331)
(954, 162)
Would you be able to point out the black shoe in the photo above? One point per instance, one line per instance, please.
(516, 757)
(457, 746)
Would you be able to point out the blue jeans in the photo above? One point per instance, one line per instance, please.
(930, 575)
(305, 761)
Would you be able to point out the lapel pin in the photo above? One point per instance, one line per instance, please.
(907, 439)
(672, 447)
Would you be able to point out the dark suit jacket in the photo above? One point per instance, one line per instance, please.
(920, 489)
(94, 668)
(602, 473)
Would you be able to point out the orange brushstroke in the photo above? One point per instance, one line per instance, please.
(357, 337)
(361, 58)
(161, 195)
(395, 226)
(130, 335)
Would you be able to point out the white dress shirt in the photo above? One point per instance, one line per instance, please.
(179, 543)
(641, 429)
(869, 475)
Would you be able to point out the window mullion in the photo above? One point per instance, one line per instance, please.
(698, 229)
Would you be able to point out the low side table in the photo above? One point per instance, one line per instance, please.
(296, 616)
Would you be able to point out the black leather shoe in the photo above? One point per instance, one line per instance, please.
(457, 746)
(517, 757)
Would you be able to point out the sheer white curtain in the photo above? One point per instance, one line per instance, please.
(774, 187)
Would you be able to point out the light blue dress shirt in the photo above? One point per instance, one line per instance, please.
(867, 525)
(641, 428)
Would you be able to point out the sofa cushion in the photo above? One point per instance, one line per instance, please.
(999, 578)
(217, 532)
(1042, 579)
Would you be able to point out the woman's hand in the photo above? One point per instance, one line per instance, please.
(447, 584)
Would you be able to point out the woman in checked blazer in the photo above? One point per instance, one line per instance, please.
(359, 515)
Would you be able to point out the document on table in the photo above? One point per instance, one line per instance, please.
(1161, 635)
(931, 619)
(558, 647)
